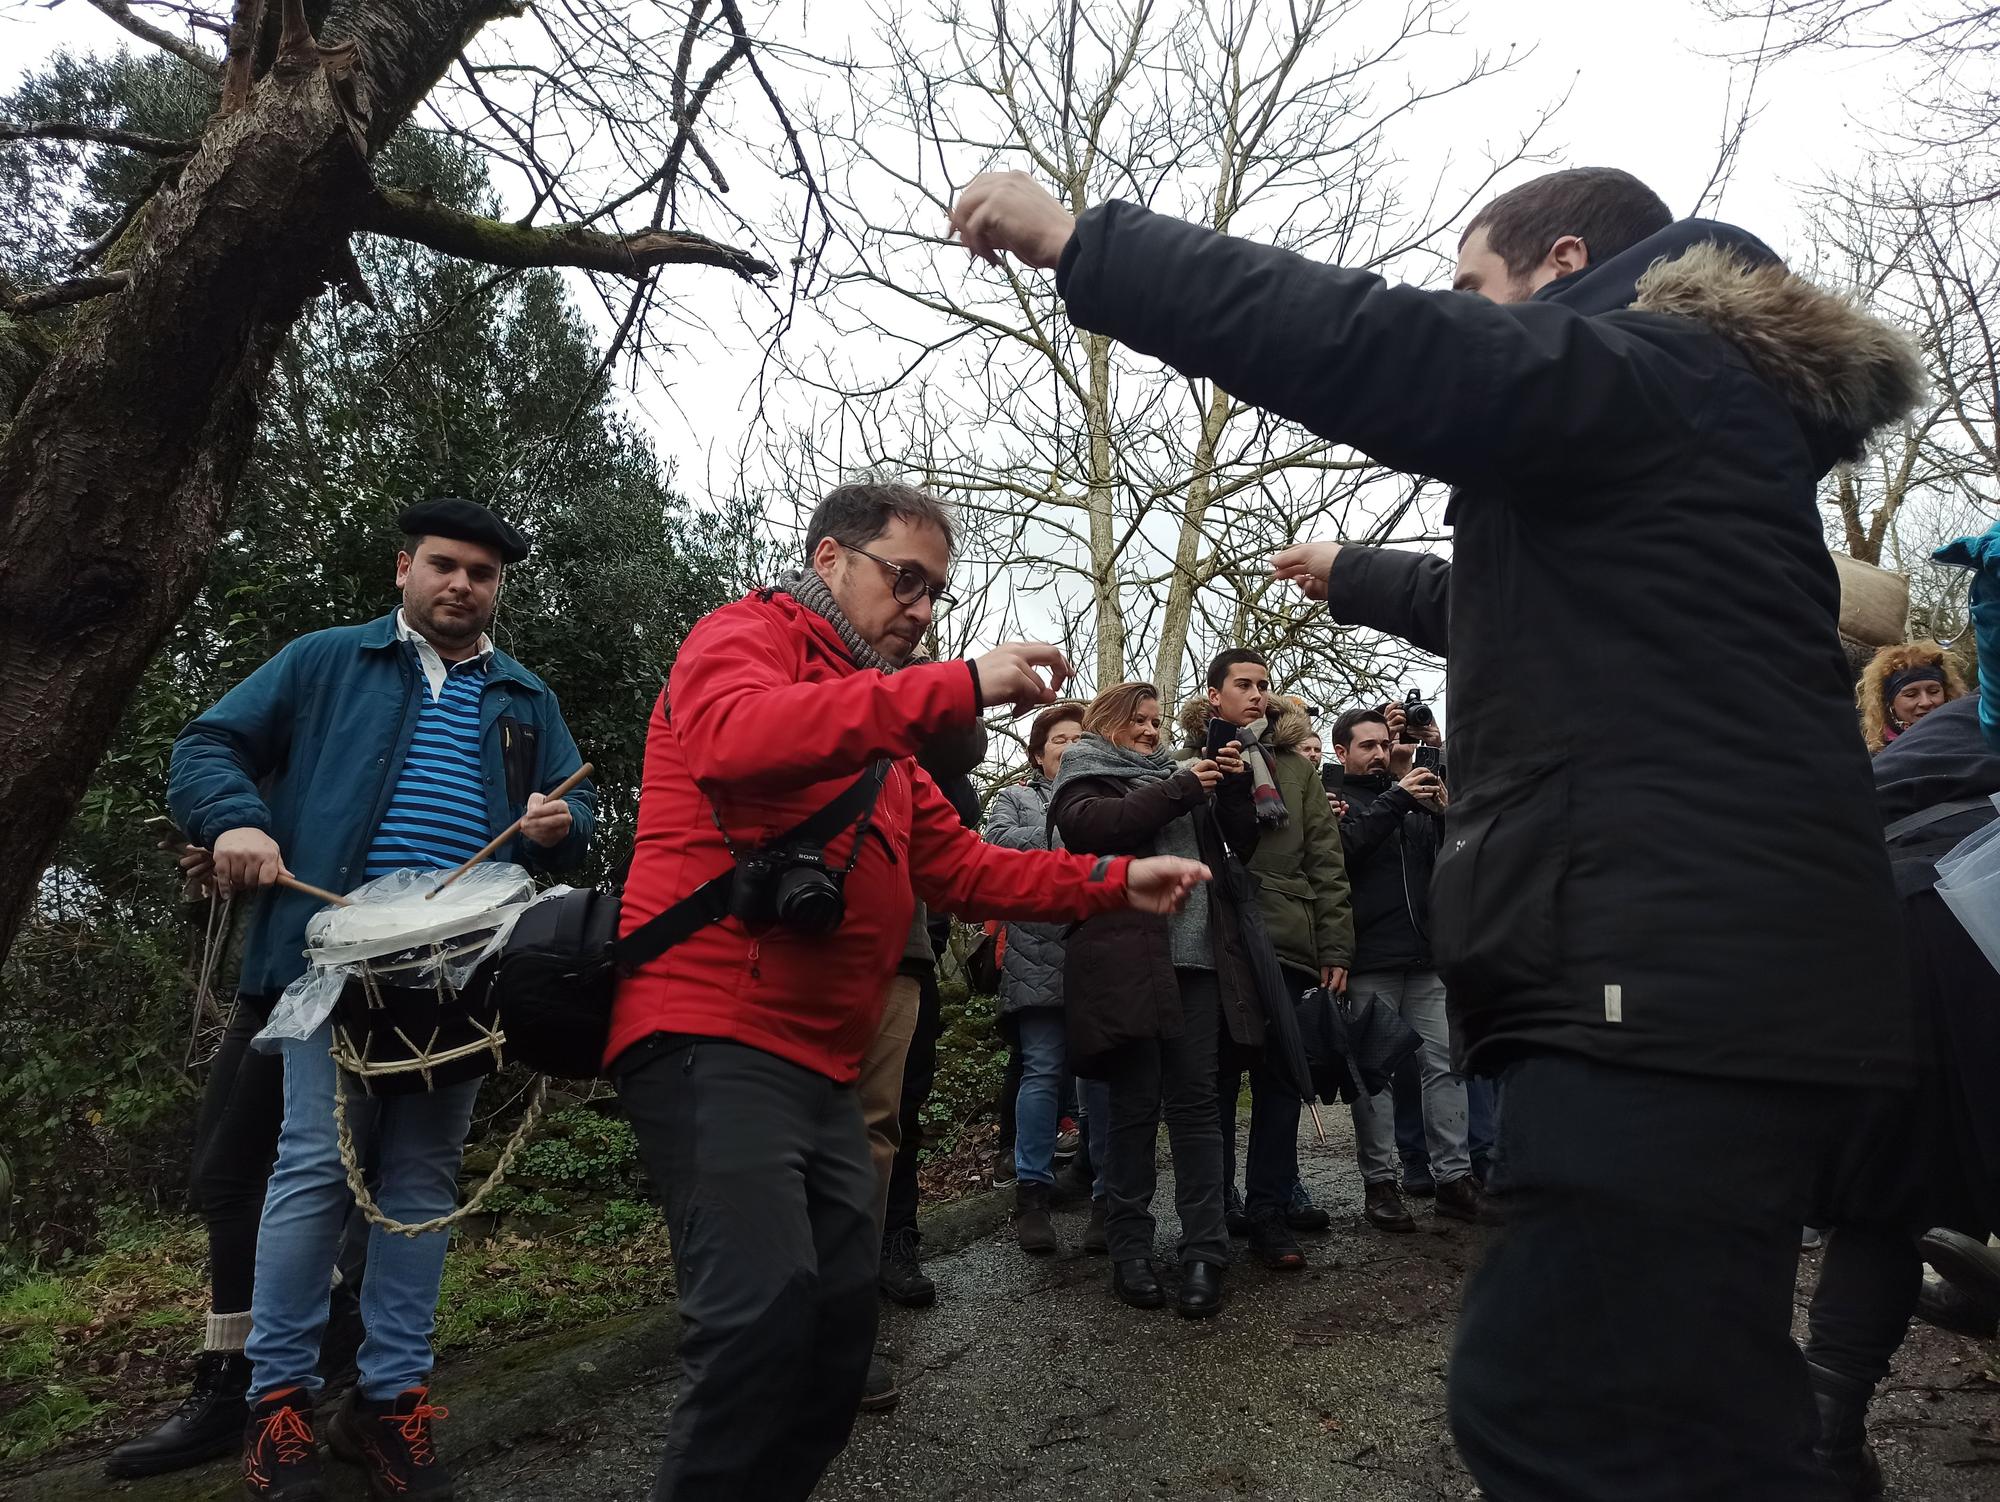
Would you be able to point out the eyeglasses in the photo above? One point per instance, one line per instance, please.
(910, 585)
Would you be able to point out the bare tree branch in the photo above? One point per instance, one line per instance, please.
(63, 294)
(96, 135)
(166, 41)
(408, 216)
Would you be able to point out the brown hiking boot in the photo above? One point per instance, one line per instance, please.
(1463, 1199)
(280, 1452)
(1033, 1228)
(1384, 1208)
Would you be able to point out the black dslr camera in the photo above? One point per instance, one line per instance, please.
(793, 888)
(1416, 716)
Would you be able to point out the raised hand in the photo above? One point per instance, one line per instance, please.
(1161, 883)
(1010, 213)
(1306, 564)
(1207, 773)
(1012, 674)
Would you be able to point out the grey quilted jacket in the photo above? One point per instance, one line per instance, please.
(1031, 971)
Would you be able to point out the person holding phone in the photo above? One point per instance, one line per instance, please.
(1390, 835)
(1302, 895)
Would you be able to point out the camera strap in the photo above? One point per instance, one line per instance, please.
(709, 902)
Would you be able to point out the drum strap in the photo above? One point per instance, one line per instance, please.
(709, 902)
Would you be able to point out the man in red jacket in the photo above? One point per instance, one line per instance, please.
(735, 1052)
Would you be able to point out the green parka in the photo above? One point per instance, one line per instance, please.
(1299, 866)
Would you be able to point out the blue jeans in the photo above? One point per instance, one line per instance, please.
(418, 1140)
(1419, 996)
(1038, 1107)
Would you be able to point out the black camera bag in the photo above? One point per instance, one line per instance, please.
(557, 974)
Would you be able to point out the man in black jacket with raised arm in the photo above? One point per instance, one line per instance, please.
(1685, 976)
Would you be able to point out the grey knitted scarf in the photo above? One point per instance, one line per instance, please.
(810, 591)
(1090, 756)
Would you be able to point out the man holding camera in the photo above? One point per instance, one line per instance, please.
(783, 748)
(1390, 832)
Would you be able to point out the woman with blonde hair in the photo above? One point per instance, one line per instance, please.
(1146, 1002)
(1902, 684)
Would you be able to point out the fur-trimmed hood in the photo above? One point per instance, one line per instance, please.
(1290, 725)
(1846, 373)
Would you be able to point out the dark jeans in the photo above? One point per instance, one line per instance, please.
(1629, 1334)
(1869, 1280)
(919, 1074)
(1272, 1160)
(763, 1170)
(1174, 1077)
(1482, 1110)
(235, 1144)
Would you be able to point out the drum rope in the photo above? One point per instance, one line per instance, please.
(358, 1184)
(215, 934)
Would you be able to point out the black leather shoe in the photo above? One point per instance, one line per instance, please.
(1972, 1265)
(1135, 1283)
(1233, 1213)
(1201, 1289)
(208, 1423)
(1384, 1208)
(902, 1278)
(1946, 1306)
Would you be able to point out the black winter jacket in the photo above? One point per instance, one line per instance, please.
(1636, 452)
(1391, 842)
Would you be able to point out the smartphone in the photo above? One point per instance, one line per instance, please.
(1431, 758)
(1220, 734)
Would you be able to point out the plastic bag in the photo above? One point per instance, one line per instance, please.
(391, 929)
(1969, 882)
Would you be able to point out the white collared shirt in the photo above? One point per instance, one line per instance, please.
(435, 667)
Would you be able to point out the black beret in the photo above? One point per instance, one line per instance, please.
(468, 521)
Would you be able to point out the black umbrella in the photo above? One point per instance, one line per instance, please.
(1284, 1045)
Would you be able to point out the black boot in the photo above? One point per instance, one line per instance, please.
(208, 1423)
(902, 1278)
(1201, 1289)
(1135, 1283)
(1094, 1240)
(1033, 1229)
(393, 1443)
(1842, 1446)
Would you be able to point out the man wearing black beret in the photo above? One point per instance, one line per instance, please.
(406, 742)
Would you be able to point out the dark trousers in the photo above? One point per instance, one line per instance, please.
(763, 1170)
(235, 1144)
(1272, 1161)
(919, 1074)
(1936, 1160)
(1629, 1335)
(1869, 1280)
(1010, 1090)
(1174, 1077)
(1482, 1111)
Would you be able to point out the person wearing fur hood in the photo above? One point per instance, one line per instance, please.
(1681, 957)
(1902, 684)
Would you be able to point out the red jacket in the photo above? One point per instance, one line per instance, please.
(767, 713)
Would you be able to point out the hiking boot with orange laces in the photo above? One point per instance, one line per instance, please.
(280, 1454)
(393, 1440)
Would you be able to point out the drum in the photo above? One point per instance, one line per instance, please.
(404, 973)
(402, 1026)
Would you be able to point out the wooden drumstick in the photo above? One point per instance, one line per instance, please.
(332, 899)
(563, 789)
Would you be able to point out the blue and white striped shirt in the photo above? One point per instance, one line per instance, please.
(437, 816)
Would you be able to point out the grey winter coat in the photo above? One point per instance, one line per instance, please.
(1031, 969)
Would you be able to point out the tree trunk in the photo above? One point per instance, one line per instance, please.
(118, 469)
(1187, 552)
(1103, 519)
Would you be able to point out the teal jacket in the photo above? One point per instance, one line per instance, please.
(308, 748)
